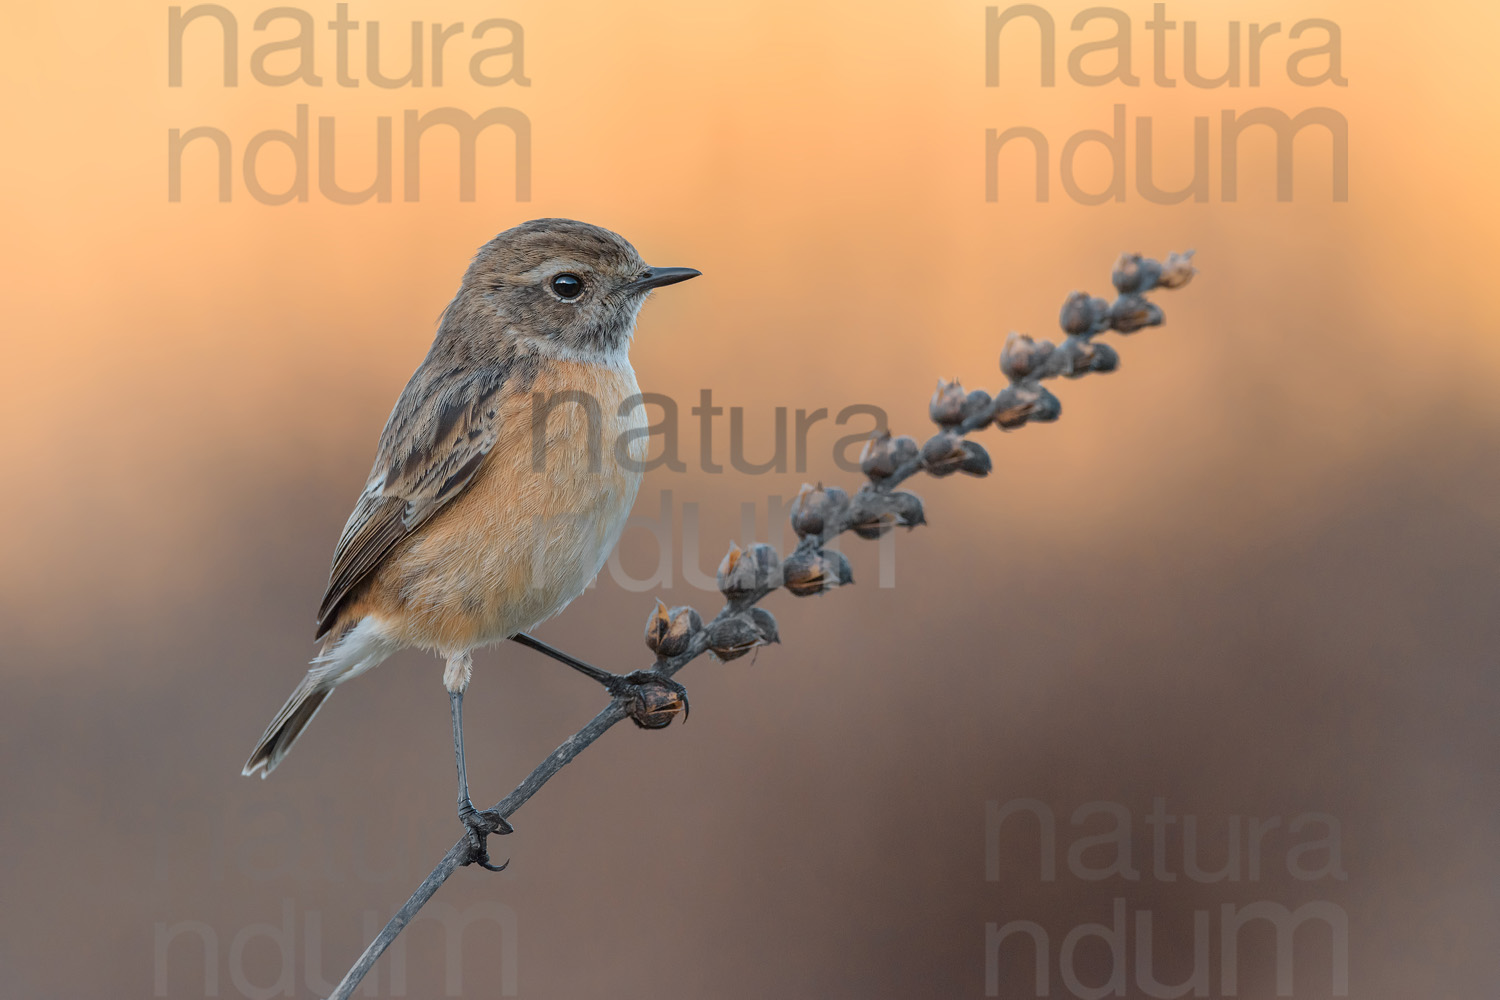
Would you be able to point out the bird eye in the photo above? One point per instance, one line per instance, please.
(567, 286)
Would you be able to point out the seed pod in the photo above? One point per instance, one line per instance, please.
(732, 637)
(976, 461)
(658, 622)
(1106, 358)
(1132, 312)
(654, 706)
(908, 509)
(806, 516)
(1013, 406)
(1135, 274)
(685, 623)
(1077, 316)
(1047, 407)
(732, 582)
(837, 567)
(1073, 356)
(765, 624)
(877, 460)
(883, 455)
(1101, 313)
(978, 407)
(802, 573)
(815, 507)
(807, 572)
(878, 520)
(947, 405)
(894, 510)
(766, 563)
(744, 572)
(1126, 274)
(1178, 270)
(904, 449)
(1023, 357)
(943, 453)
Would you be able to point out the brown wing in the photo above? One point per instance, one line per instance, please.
(440, 431)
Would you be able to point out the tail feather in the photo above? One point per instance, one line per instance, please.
(288, 725)
(355, 650)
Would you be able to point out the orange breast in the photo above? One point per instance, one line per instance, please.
(536, 524)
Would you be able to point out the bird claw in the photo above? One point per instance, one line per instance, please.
(479, 826)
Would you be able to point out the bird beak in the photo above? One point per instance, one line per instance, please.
(657, 277)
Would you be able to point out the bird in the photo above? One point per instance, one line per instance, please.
(503, 477)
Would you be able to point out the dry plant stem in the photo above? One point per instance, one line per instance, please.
(461, 853)
(641, 695)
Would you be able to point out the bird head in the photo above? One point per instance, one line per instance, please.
(570, 288)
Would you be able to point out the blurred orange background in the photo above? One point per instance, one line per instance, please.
(1253, 572)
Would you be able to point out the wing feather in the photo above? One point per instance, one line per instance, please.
(438, 435)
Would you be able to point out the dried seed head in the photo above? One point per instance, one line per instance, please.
(1077, 317)
(766, 562)
(888, 511)
(1105, 359)
(1132, 312)
(815, 507)
(727, 567)
(765, 624)
(947, 405)
(1135, 274)
(1014, 405)
(807, 572)
(1047, 407)
(978, 408)
(685, 623)
(908, 509)
(806, 516)
(1074, 357)
(733, 636)
(657, 624)
(744, 572)
(877, 460)
(654, 706)
(976, 461)
(1101, 313)
(904, 449)
(1023, 357)
(878, 518)
(1178, 270)
(802, 573)
(837, 567)
(943, 453)
(883, 455)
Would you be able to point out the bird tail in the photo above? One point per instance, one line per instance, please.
(356, 650)
(288, 724)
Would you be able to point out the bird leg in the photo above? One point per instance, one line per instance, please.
(618, 685)
(479, 824)
(603, 677)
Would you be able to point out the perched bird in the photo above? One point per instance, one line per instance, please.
(503, 477)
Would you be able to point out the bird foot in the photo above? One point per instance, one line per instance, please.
(652, 699)
(480, 825)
